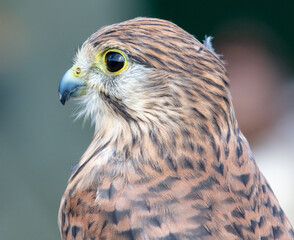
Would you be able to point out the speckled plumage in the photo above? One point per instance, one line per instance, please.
(167, 160)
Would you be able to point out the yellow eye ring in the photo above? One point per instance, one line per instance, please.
(112, 61)
(77, 71)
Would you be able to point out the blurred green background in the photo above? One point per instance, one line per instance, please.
(39, 141)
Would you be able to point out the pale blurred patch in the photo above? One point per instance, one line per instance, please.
(14, 40)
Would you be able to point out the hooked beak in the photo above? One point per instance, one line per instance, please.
(70, 86)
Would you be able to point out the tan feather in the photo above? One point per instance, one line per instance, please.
(169, 161)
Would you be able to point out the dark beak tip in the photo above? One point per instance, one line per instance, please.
(63, 97)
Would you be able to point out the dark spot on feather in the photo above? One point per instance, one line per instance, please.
(171, 163)
(72, 190)
(275, 211)
(107, 193)
(219, 168)
(143, 205)
(79, 202)
(112, 191)
(91, 223)
(216, 126)
(90, 190)
(198, 114)
(291, 232)
(201, 220)
(91, 210)
(163, 185)
(277, 232)
(228, 134)
(131, 234)
(282, 215)
(66, 231)
(226, 101)
(244, 178)
(193, 196)
(238, 213)
(200, 232)
(265, 238)
(200, 50)
(134, 139)
(187, 163)
(185, 133)
(126, 152)
(239, 149)
(205, 184)
(153, 137)
(155, 166)
(227, 151)
(263, 188)
(138, 59)
(241, 193)
(229, 200)
(104, 225)
(143, 180)
(153, 58)
(235, 229)
(213, 145)
(267, 203)
(225, 82)
(171, 236)
(261, 221)
(200, 149)
(119, 215)
(109, 31)
(63, 218)
(201, 166)
(218, 154)
(269, 187)
(75, 230)
(154, 221)
(253, 225)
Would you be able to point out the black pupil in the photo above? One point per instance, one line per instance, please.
(114, 61)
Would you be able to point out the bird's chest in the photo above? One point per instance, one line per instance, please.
(147, 207)
(155, 208)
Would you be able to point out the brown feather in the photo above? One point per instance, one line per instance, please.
(180, 169)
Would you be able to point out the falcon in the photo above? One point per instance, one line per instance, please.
(167, 160)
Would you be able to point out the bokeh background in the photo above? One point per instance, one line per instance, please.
(39, 141)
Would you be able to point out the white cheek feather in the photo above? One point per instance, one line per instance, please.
(131, 87)
(128, 87)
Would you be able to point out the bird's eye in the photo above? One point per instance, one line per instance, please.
(114, 61)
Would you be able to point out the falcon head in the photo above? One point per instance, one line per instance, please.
(146, 70)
